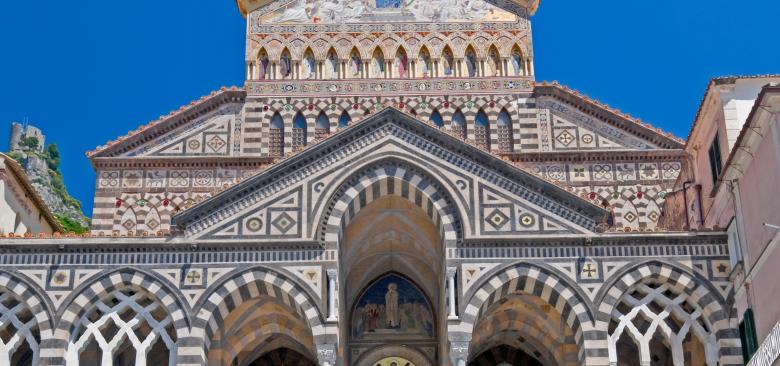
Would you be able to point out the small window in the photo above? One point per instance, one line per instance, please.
(735, 249)
(747, 334)
(716, 161)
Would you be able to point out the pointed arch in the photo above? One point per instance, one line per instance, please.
(505, 132)
(675, 302)
(26, 320)
(436, 118)
(458, 125)
(125, 313)
(344, 119)
(244, 285)
(276, 136)
(482, 130)
(128, 222)
(322, 126)
(299, 131)
(153, 220)
(536, 279)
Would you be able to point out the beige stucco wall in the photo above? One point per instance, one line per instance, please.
(13, 203)
(760, 194)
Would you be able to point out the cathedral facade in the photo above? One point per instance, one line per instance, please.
(390, 187)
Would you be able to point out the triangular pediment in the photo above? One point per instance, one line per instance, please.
(203, 128)
(570, 121)
(489, 197)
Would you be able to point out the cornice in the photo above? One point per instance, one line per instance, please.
(597, 156)
(183, 162)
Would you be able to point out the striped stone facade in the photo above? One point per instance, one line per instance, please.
(243, 228)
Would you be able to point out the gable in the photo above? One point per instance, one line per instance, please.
(209, 127)
(390, 153)
(572, 122)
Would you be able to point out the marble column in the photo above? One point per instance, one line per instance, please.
(451, 291)
(332, 310)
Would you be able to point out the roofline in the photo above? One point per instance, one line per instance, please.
(720, 80)
(244, 7)
(766, 91)
(18, 171)
(506, 168)
(637, 127)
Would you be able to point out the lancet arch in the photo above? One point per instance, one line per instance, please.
(26, 320)
(658, 308)
(243, 289)
(537, 282)
(125, 313)
(390, 177)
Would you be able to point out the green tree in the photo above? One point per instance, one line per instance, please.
(31, 143)
(52, 157)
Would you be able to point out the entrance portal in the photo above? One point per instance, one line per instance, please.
(394, 361)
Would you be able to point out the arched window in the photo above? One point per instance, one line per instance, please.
(482, 130)
(471, 63)
(504, 130)
(322, 128)
(276, 136)
(459, 124)
(299, 131)
(344, 120)
(263, 65)
(436, 118)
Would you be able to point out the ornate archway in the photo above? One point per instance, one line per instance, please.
(384, 356)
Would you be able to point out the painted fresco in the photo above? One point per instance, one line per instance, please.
(392, 308)
(372, 11)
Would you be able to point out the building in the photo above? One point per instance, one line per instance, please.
(735, 150)
(21, 132)
(391, 186)
(22, 210)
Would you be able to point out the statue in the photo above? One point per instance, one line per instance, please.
(471, 64)
(425, 67)
(295, 14)
(331, 66)
(391, 307)
(308, 66)
(262, 66)
(284, 65)
(402, 64)
(516, 63)
(494, 64)
(379, 65)
(355, 60)
(448, 61)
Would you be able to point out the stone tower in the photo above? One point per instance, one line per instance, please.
(21, 131)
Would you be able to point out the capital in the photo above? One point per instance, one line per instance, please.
(326, 354)
(332, 273)
(451, 272)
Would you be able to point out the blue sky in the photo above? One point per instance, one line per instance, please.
(89, 71)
